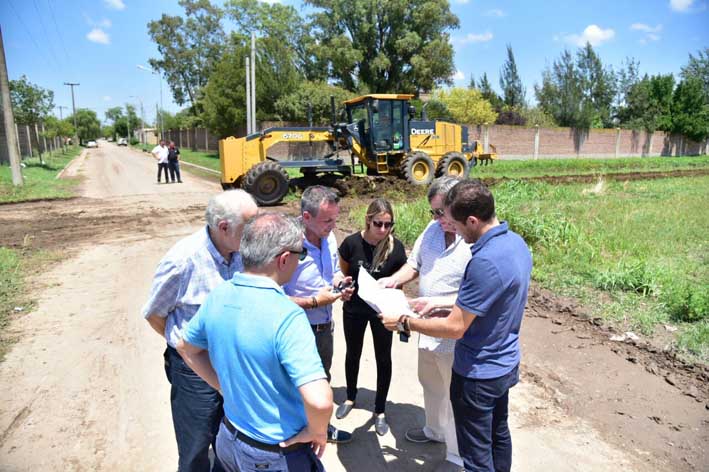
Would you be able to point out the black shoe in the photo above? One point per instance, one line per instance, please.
(334, 435)
(344, 410)
(179, 181)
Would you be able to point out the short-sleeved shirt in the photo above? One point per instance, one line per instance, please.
(494, 289)
(173, 154)
(263, 349)
(314, 272)
(186, 274)
(359, 254)
(162, 153)
(440, 270)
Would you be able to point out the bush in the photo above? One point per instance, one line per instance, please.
(134, 141)
(686, 302)
(510, 117)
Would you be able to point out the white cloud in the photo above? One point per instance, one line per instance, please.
(681, 5)
(105, 23)
(97, 35)
(107, 98)
(645, 28)
(115, 4)
(592, 34)
(458, 75)
(496, 12)
(476, 38)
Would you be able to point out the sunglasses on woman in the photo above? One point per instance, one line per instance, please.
(385, 224)
(437, 212)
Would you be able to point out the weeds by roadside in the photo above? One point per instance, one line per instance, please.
(40, 180)
(636, 252)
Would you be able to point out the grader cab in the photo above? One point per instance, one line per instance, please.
(381, 133)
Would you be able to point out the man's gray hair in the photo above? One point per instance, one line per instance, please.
(315, 196)
(441, 186)
(267, 235)
(229, 206)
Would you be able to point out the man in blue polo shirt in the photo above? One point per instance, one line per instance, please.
(486, 320)
(253, 344)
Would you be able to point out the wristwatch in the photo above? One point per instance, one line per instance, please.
(402, 325)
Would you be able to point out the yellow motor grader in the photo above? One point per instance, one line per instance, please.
(381, 133)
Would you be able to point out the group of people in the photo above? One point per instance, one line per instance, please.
(245, 306)
(168, 158)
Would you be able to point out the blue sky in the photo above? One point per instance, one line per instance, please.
(98, 43)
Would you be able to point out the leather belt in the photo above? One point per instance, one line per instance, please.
(258, 444)
(321, 327)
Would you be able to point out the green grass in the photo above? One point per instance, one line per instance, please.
(15, 266)
(530, 168)
(40, 180)
(636, 252)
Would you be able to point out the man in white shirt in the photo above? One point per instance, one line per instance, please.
(160, 152)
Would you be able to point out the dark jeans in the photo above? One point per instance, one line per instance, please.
(237, 456)
(196, 414)
(162, 167)
(480, 412)
(174, 167)
(355, 326)
(325, 344)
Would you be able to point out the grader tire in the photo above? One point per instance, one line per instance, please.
(418, 168)
(267, 182)
(453, 164)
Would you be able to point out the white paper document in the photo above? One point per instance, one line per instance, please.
(382, 300)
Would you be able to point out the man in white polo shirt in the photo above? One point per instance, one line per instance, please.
(161, 152)
(438, 260)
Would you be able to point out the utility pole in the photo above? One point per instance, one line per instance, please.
(253, 82)
(60, 111)
(73, 107)
(248, 97)
(9, 119)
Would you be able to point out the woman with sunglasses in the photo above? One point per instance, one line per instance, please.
(378, 252)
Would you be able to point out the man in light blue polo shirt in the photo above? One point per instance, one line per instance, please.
(486, 320)
(253, 344)
(311, 286)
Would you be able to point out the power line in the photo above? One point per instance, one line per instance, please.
(27, 30)
(46, 36)
(59, 33)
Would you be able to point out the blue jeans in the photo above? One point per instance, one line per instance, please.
(196, 414)
(237, 456)
(480, 412)
(174, 167)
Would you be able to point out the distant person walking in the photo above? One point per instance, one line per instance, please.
(252, 343)
(160, 152)
(377, 251)
(486, 320)
(173, 162)
(438, 260)
(185, 276)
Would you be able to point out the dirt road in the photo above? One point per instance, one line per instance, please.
(84, 388)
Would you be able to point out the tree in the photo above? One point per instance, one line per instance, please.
(512, 90)
(698, 67)
(690, 112)
(88, 125)
(578, 93)
(114, 115)
(626, 78)
(30, 103)
(189, 48)
(53, 127)
(225, 97)
(385, 46)
(648, 104)
(294, 106)
(466, 106)
(488, 93)
(536, 116)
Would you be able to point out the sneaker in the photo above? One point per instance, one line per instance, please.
(417, 435)
(334, 435)
(344, 409)
(380, 424)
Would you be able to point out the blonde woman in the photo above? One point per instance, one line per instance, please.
(378, 252)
